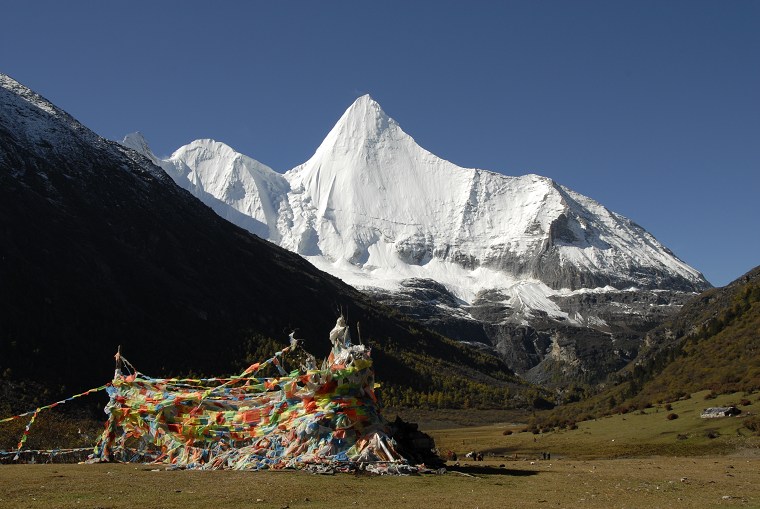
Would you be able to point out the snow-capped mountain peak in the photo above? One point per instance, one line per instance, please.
(137, 142)
(374, 208)
(521, 263)
(363, 120)
(362, 131)
(239, 188)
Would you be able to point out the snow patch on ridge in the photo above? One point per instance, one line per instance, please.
(51, 132)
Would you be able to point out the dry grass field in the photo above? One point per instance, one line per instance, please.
(700, 482)
(623, 461)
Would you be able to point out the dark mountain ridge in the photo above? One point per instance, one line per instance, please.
(98, 247)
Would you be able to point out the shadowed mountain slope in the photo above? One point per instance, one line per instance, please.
(99, 247)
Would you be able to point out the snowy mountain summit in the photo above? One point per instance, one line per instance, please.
(372, 197)
(375, 209)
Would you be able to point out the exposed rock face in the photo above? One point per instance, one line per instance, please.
(602, 334)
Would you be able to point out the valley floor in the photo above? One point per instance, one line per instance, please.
(641, 459)
(686, 482)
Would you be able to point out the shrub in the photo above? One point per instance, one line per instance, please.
(753, 424)
(540, 403)
(668, 407)
(672, 417)
(507, 432)
(745, 402)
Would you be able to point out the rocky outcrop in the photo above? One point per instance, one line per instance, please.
(601, 333)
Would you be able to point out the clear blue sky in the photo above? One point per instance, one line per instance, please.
(650, 107)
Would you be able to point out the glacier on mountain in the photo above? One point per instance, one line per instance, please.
(520, 265)
(374, 208)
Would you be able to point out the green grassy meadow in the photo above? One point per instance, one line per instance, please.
(622, 461)
(634, 434)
